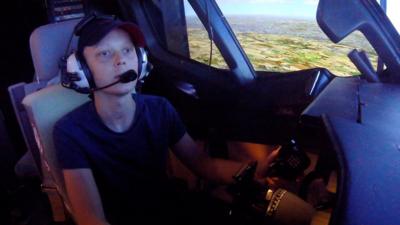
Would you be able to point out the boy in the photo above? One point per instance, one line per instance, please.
(113, 150)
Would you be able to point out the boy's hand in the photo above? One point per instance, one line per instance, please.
(263, 165)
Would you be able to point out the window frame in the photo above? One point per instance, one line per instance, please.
(223, 38)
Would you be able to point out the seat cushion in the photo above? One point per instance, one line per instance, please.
(45, 107)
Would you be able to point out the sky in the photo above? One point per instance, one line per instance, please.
(289, 8)
(296, 8)
(393, 7)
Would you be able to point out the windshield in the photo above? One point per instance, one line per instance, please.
(283, 36)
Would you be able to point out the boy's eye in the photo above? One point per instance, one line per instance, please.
(104, 53)
(127, 50)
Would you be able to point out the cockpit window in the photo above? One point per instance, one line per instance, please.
(199, 41)
(284, 36)
(181, 32)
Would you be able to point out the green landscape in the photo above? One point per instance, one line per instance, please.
(297, 45)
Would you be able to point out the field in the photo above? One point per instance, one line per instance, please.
(278, 44)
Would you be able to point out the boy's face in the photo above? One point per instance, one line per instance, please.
(112, 56)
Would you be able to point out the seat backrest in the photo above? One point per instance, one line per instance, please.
(48, 44)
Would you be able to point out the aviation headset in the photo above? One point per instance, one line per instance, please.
(75, 73)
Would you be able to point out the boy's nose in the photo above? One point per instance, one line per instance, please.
(119, 60)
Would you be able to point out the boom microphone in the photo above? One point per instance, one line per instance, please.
(125, 77)
(128, 76)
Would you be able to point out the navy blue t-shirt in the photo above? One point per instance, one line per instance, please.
(130, 167)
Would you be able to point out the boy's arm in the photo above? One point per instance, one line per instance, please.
(84, 197)
(218, 170)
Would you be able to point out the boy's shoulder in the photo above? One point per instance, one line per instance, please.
(75, 116)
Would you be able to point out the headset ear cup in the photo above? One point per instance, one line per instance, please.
(140, 62)
(75, 75)
(144, 66)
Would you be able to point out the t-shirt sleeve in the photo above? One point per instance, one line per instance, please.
(176, 128)
(67, 151)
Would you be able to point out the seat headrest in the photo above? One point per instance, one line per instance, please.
(48, 43)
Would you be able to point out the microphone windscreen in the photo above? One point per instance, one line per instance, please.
(285, 208)
(128, 76)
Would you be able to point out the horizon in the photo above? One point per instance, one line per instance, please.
(261, 15)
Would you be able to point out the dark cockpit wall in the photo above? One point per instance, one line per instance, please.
(18, 20)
